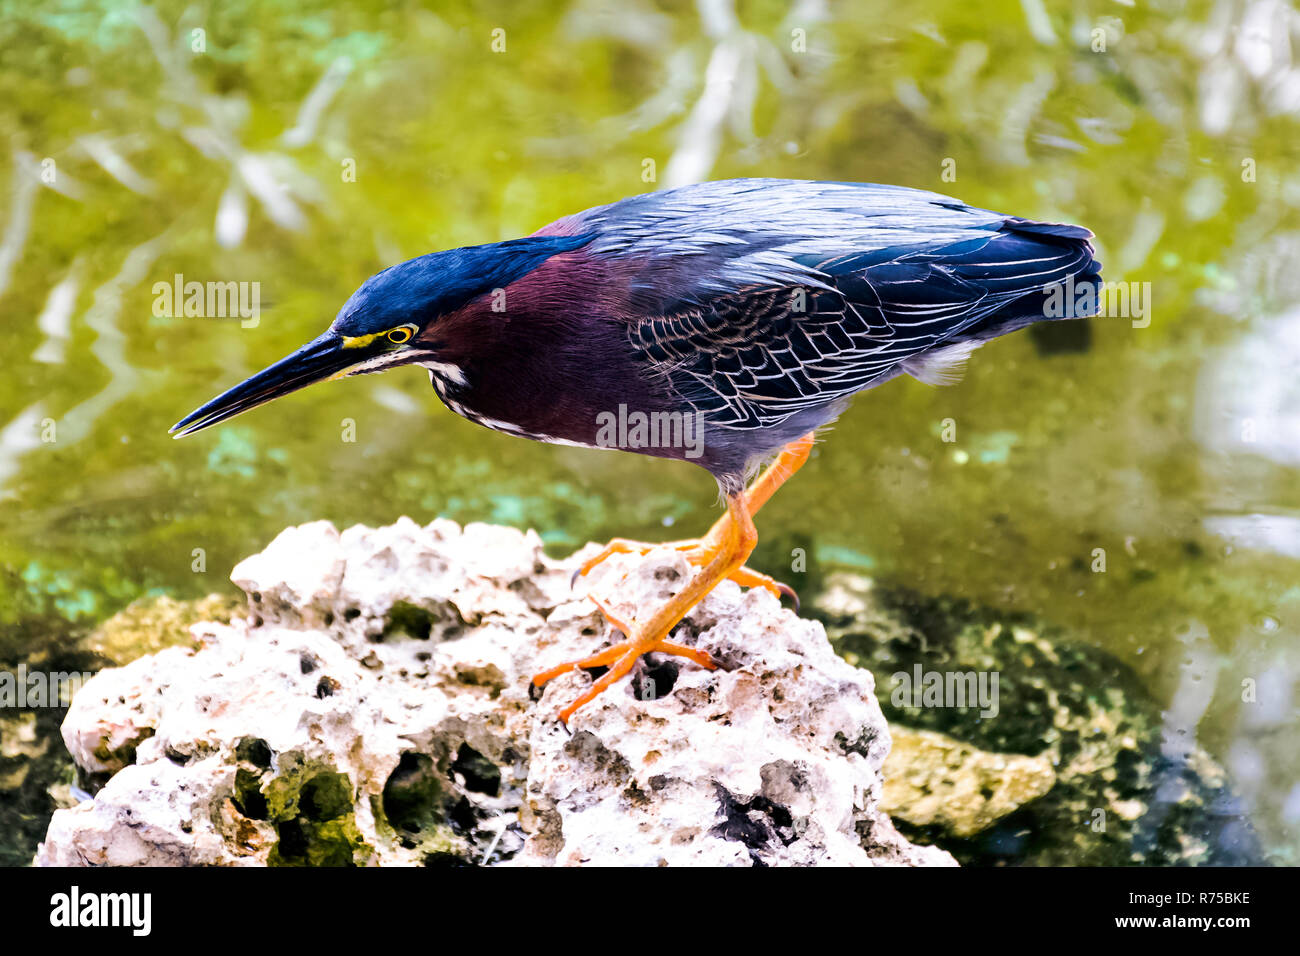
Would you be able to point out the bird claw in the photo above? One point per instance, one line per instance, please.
(789, 592)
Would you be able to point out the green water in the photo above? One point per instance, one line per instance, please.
(1172, 446)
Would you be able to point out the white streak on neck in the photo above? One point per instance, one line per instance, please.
(451, 373)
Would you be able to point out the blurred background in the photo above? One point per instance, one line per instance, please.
(305, 146)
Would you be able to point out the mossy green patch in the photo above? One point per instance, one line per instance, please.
(310, 804)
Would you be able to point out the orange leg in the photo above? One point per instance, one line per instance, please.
(699, 550)
(720, 555)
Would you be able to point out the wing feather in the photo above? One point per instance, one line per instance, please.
(762, 298)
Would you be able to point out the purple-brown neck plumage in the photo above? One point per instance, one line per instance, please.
(573, 310)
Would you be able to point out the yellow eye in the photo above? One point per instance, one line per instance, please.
(400, 335)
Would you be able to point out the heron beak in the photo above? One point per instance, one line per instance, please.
(320, 359)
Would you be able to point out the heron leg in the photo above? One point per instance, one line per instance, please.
(699, 550)
(734, 544)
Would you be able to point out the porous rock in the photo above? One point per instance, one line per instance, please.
(374, 709)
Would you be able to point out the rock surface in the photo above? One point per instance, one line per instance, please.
(374, 710)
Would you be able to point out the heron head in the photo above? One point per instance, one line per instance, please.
(391, 320)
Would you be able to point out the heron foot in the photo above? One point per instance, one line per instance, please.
(620, 658)
(698, 551)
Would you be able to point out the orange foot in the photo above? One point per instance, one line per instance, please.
(620, 658)
(699, 551)
(643, 637)
(721, 554)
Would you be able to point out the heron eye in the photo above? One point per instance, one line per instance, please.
(400, 336)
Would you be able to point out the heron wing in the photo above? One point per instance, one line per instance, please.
(769, 322)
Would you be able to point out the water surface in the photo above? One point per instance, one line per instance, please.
(303, 147)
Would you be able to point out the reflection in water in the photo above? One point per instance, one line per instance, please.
(272, 178)
(55, 320)
(22, 198)
(1279, 534)
(1249, 411)
(1249, 393)
(1197, 674)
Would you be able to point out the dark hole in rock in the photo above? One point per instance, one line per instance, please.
(758, 823)
(685, 629)
(307, 663)
(254, 750)
(666, 574)
(462, 816)
(481, 775)
(257, 620)
(329, 618)
(351, 614)
(248, 798)
(444, 860)
(293, 840)
(861, 746)
(410, 619)
(325, 796)
(412, 793)
(325, 687)
(257, 597)
(655, 677)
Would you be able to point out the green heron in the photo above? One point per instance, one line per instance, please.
(758, 307)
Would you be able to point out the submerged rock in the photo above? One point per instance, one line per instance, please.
(35, 770)
(1124, 793)
(150, 624)
(374, 709)
(933, 780)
